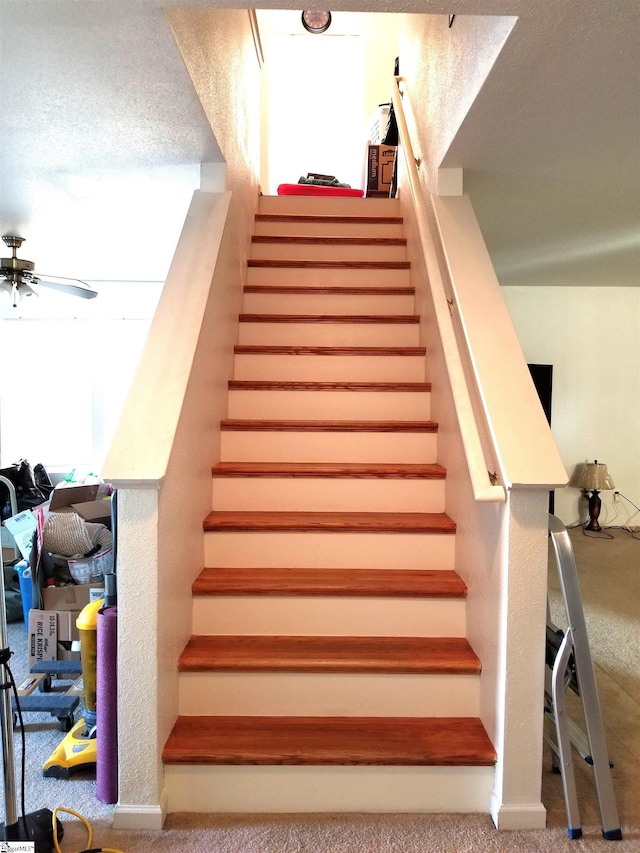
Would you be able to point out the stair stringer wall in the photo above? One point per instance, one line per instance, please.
(160, 462)
(499, 555)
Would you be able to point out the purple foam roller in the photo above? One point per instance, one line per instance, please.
(107, 706)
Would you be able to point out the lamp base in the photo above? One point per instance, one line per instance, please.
(595, 505)
(36, 827)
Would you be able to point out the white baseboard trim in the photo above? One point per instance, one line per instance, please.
(140, 816)
(518, 815)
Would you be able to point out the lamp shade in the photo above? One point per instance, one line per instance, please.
(594, 476)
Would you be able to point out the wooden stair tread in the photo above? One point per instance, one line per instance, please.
(328, 240)
(328, 218)
(342, 522)
(381, 319)
(270, 263)
(453, 741)
(332, 470)
(277, 385)
(255, 349)
(405, 583)
(251, 653)
(257, 425)
(334, 289)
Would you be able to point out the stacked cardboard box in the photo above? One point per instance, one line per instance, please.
(53, 630)
(381, 161)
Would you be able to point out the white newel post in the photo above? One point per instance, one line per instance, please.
(516, 801)
(141, 798)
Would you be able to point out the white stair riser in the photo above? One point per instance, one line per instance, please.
(301, 228)
(334, 251)
(356, 550)
(249, 446)
(328, 206)
(324, 277)
(328, 694)
(330, 368)
(327, 303)
(353, 405)
(329, 616)
(288, 494)
(330, 334)
(308, 789)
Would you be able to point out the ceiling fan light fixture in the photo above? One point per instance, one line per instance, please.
(17, 276)
(15, 292)
(316, 22)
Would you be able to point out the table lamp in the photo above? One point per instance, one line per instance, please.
(594, 478)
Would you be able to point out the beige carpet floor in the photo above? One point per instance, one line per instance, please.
(609, 573)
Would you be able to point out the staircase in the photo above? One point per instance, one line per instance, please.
(328, 668)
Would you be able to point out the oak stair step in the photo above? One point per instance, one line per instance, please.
(436, 741)
(330, 470)
(340, 522)
(328, 241)
(335, 289)
(278, 385)
(326, 440)
(405, 583)
(326, 218)
(380, 352)
(268, 263)
(259, 425)
(325, 654)
(379, 319)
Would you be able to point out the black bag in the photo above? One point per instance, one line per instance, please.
(29, 492)
(391, 133)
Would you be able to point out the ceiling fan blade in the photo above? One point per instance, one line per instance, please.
(72, 286)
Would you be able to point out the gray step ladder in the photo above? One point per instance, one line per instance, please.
(569, 666)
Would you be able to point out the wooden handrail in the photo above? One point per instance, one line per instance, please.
(500, 415)
(481, 479)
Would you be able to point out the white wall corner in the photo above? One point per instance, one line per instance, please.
(449, 182)
(516, 816)
(140, 817)
(213, 177)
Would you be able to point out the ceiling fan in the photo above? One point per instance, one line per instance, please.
(17, 277)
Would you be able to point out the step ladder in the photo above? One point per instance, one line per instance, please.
(569, 666)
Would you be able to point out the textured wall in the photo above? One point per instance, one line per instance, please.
(218, 49)
(445, 68)
(591, 336)
(183, 397)
(501, 557)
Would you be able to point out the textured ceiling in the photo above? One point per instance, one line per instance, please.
(102, 136)
(551, 149)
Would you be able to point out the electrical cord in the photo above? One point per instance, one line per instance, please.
(89, 848)
(5, 654)
(629, 530)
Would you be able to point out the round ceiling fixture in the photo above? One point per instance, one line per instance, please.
(316, 22)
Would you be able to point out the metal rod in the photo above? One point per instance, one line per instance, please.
(6, 716)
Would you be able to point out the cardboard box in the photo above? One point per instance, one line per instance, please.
(51, 635)
(63, 496)
(43, 636)
(86, 501)
(67, 634)
(97, 512)
(71, 597)
(381, 161)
